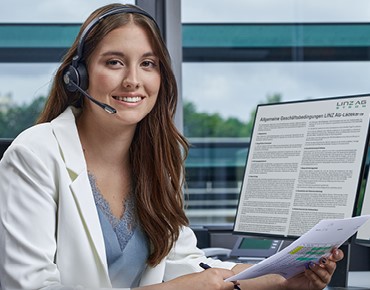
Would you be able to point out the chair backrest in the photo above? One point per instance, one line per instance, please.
(4, 144)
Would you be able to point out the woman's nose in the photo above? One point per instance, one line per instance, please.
(131, 79)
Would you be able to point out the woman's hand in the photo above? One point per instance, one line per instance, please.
(317, 276)
(210, 279)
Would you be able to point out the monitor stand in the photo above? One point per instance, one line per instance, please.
(340, 276)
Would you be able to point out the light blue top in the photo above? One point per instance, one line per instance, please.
(126, 245)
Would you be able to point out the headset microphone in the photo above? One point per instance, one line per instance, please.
(107, 108)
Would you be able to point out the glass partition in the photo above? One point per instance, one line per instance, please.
(237, 54)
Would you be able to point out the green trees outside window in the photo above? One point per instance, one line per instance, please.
(15, 118)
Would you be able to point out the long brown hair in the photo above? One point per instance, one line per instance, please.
(158, 149)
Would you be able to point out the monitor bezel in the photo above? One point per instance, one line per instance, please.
(356, 239)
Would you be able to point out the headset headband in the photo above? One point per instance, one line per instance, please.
(96, 20)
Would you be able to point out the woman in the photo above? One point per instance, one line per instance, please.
(92, 198)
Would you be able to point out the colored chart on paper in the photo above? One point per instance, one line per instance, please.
(310, 247)
(310, 253)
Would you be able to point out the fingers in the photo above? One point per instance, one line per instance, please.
(236, 285)
(224, 273)
(320, 274)
(216, 276)
(329, 263)
(337, 255)
(210, 279)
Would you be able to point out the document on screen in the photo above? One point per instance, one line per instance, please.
(304, 165)
(310, 247)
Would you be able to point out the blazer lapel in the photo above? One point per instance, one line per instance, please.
(65, 130)
(86, 205)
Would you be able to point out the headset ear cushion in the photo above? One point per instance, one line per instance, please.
(78, 76)
(71, 75)
(83, 76)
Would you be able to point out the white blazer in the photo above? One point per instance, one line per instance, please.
(50, 235)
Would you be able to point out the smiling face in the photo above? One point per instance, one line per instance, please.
(124, 73)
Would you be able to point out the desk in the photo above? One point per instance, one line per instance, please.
(358, 280)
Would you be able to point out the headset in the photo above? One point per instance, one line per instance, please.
(75, 77)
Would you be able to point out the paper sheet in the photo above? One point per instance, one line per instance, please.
(310, 247)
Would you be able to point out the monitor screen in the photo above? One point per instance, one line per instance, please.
(304, 164)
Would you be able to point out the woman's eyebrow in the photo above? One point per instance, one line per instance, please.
(113, 53)
(121, 54)
(149, 54)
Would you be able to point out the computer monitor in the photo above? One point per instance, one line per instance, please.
(4, 144)
(304, 164)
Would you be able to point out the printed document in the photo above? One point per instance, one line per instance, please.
(310, 247)
(304, 164)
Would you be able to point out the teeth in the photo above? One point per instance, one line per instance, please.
(129, 99)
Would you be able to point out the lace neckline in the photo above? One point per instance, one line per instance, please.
(123, 227)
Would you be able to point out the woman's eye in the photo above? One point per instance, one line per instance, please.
(113, 62)
(149, 63)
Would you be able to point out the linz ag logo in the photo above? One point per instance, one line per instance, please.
(349, 104)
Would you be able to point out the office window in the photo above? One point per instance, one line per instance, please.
(240, 53)
(45, 11)
(23, 89)
(31, 44)
(265, 51)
